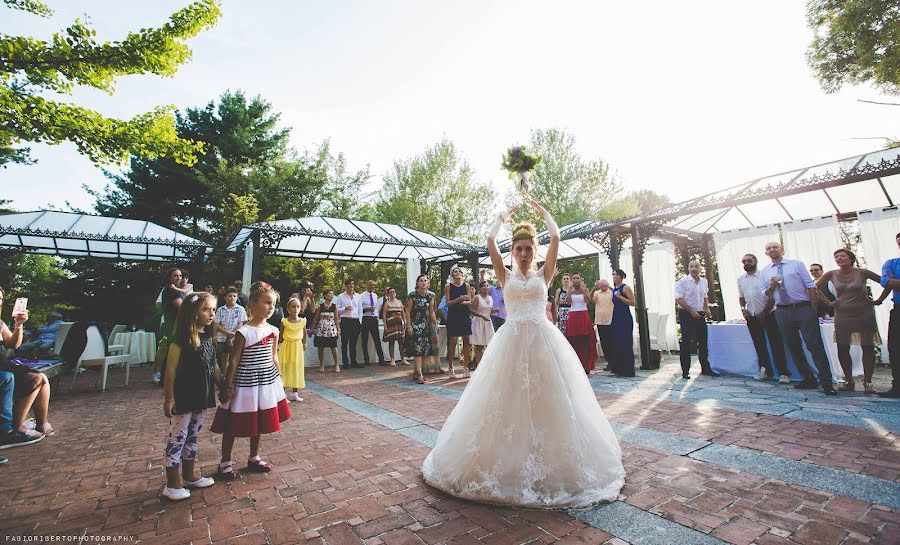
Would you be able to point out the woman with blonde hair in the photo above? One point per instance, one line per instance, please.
(528, 430)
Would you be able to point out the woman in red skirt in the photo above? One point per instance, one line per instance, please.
(579, 328)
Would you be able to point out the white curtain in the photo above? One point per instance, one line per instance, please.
(812, 241)
(878, 229)
(730, 248)
(659, 284)
(604, 269)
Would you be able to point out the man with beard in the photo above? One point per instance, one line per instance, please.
(761, 322)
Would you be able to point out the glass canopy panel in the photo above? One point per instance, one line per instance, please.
(19, 221)
(858, 196)
(159, 232)
(312, 224)
(131, 228)
(776, 180)
(698, 219)
(71, 244)
(101, 247)
(42, 242)
(892, 186)
(319, 245)
(884, 155)
(295, 243)
(344, 227)
(89, 225)
(835, 167)
(391, 250)
(133, 249)
(732, 219)
(370, 248)
(424, 237)
(807, 205)
(345, 247)
(764, 212)
(398, 232)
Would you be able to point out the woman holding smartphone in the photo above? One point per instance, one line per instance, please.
(31, 389)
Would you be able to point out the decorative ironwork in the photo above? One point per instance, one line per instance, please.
(270, 239)
(644, 232)
(47, 233)
(288, 231)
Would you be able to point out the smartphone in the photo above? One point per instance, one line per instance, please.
(21, 306)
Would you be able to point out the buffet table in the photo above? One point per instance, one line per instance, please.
(731, 352)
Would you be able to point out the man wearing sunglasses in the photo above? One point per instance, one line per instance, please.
(761, 322)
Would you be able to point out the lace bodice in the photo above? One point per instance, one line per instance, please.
(525, 298)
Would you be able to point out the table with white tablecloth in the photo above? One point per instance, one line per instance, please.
(731, 352)
(140, 345)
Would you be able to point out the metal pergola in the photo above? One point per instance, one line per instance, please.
(843, 188)
(349, 240)
(67, 234)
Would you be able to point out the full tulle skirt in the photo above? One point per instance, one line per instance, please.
(528, 430)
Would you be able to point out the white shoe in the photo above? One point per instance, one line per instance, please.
(295, 396)
(762, 374)
(202, 482)
(784, 379)
(393, 363)
(157, 378)
(176, 494)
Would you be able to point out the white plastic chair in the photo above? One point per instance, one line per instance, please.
(659, 335)
(95, 356)
(116, 348)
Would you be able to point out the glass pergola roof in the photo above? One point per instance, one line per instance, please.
(841, 187)
(68, 234)
(350, 240)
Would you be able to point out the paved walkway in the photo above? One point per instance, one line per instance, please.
(708, 461)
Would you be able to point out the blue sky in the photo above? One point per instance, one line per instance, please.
(679, 97)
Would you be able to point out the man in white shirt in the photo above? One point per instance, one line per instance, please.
(691, 296)
(761, 322)
(350, 311)
(370, 306)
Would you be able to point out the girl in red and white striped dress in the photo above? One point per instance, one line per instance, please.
(253, 400)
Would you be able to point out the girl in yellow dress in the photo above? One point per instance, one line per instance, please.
(290, 353)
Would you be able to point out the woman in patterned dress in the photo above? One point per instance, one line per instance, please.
(328, 329)
(392, 313)
(420, 324)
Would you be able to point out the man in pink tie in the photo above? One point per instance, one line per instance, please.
(370, 323)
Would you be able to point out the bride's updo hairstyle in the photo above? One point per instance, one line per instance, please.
(525, 231)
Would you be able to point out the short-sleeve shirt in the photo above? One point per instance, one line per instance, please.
(169, 296)
(230, 319)
(692, 292)
(892, 266)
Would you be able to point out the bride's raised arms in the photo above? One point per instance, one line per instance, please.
(553, 248)
(494, 250)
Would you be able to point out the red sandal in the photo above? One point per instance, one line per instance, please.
(226, 472)
(259, 466)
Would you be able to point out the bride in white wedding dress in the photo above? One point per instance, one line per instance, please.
(528, 430)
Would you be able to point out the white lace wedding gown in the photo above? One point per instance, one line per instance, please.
(527, 430)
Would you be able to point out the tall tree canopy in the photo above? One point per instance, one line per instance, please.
(856, 42)
(31, 68)
(571, 188)
(437, 192)
(246, 154)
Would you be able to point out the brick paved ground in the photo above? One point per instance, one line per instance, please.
(343, 479)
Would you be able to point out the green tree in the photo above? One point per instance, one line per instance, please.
(633, 204)
(246, 153)
(31, 68)
(437, 192)
(855, 42)
(571, 188)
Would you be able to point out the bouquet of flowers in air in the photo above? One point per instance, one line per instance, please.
(520, 165)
